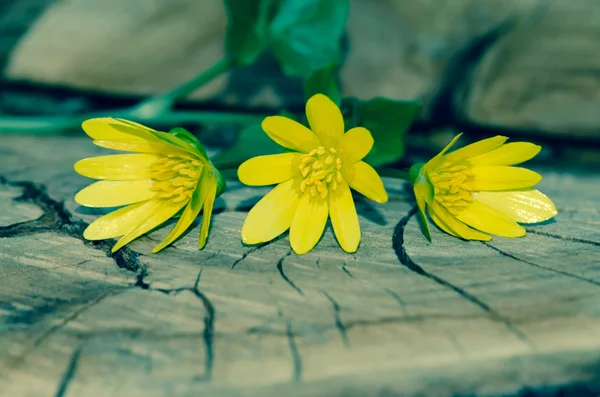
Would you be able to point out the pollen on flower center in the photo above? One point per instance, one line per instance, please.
(449, 187)
(321, 171)
(175, 177)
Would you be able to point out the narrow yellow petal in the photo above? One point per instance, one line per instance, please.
(164, 212)
(119, 222)
(438, 159)
(423, 193)
(272, 215)
(365, 180)
(115, 193)
(356, 144)
(269, 170)
(501, 178)
(447, 222)
(107, 128)
(488, 220)
(190, 213)
(308, 224)
(325, 119)
(290, 134)
(344, 218)
(211, 192)
(509, 154)
(118, 167)
(476, 148)
(525, 206)
(137, 145)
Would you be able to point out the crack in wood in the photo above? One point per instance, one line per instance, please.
(345, 270)
(69, 374)
(564, 238)
(250, 251)
(405, 259)
(339, 324)
(296, 357)
(284, 276)
(561, 272)
(209, 330)
(397, 298)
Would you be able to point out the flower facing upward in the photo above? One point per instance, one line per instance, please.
(169, 174)
(474, 190)
(314, 179)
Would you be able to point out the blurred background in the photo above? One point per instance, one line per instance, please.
(528, 69)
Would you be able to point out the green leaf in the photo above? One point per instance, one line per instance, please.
(388, 120)
(252, 141)
(190, 139)
(304, 35)
(324, 81)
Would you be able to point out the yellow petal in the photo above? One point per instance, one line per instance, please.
(501, 178)
(269, 170)
(509, 154)
(272, 215)
(163, 213)
(438, 159)
(325, 119)
(423, 194)
(308, 224)
(119, 222)
(344, 218)
(365, 180)
(447, 222)
(211, 192)
(488, 220)
(290, 134)
(525, 206)
(119, 167)
(356, 144)
(107, 128)
(476, 148)
(190, 213)
(138, 145)
(115, 193)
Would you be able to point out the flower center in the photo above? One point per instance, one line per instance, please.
(175, 178)
(321, 171)
(449, 187)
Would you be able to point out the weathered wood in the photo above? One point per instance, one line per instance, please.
(401, 317)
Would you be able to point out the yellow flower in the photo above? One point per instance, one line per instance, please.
(314, 179)
(169, 175)
(474, 189)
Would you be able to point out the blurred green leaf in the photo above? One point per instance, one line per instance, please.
(324, 81)
(304, 35)
(388, 120)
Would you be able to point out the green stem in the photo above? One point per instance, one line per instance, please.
(161, 103)
(393, 173)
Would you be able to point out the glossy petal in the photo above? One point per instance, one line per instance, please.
(290, 134)
(269, 170)
(119, 167)
(119, 222)
(438, 159)
(115, 193)
(488, 220)
(163, 213)
(325, 119)
(190, 213)
(509, 154)
(447, 222)
(107, 128)
(272, 215)
(422, 194)
(137, 145)
(355, 144)
(365, 180)
(344, 218)
(308, 224)
(476, 148)
(211, 192)
(501, 178)
(525, 206)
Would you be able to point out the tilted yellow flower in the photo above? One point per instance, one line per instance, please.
(314, 179)
(475, 190)
(169, 175)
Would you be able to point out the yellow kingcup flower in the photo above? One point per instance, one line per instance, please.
(169, 175)
(475, 190)
(314, 179)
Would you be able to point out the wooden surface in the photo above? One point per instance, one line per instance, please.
(529, 66)
(401, 317)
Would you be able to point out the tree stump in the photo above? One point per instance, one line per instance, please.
(401, 317)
